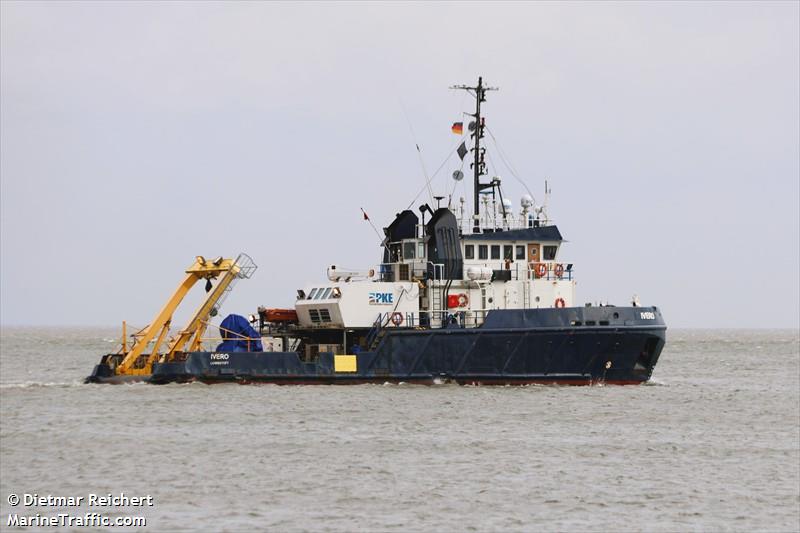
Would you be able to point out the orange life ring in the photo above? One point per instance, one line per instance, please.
(463, 300)
(559, 270)
(560, 303)
(541, 270)
(397, 318)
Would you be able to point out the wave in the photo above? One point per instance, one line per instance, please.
(41, 384)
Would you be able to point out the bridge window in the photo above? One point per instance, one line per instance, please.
(469, 251)
(421, 251)
(327, 293)
(495, 251)
(394, 255)
(483, 251)
(508, 252)
(521, 252)
(311, 294)
(408, 250)
(550, 252)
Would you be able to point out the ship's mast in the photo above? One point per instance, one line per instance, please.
(478, 165)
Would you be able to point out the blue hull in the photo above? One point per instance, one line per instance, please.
(513, 347)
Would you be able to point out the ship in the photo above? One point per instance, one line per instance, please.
(477, 296)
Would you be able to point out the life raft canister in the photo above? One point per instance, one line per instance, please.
(541, 270)
(560, 303)
(559, 271)
(397, 318)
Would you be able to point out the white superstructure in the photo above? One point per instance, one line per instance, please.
(456, 268)
(513, 268)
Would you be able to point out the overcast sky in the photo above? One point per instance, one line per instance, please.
(134, 136)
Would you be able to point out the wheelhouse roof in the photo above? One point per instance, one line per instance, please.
(541, 233)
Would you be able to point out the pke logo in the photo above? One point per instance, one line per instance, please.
(381, 298)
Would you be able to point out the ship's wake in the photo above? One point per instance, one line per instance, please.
(41, 384)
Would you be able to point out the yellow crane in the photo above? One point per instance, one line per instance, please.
(137, 360)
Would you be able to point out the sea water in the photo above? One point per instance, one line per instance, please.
(711, 444)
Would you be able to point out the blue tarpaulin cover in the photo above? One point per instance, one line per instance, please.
(238, 335)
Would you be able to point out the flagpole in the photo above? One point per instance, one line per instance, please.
(366, 217)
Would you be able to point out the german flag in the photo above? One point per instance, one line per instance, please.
(458, 128)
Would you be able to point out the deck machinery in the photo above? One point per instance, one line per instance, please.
(135, 362)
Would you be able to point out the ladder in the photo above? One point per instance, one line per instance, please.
(526, 294)
(482, 313)
(376, 340)
(435, 294)
(377, 327)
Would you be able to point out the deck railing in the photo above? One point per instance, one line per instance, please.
(520, 270)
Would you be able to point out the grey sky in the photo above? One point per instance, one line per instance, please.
(134, 136)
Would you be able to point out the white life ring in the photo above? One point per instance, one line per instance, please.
(463, 300)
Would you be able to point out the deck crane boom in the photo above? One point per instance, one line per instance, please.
(136, 361)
